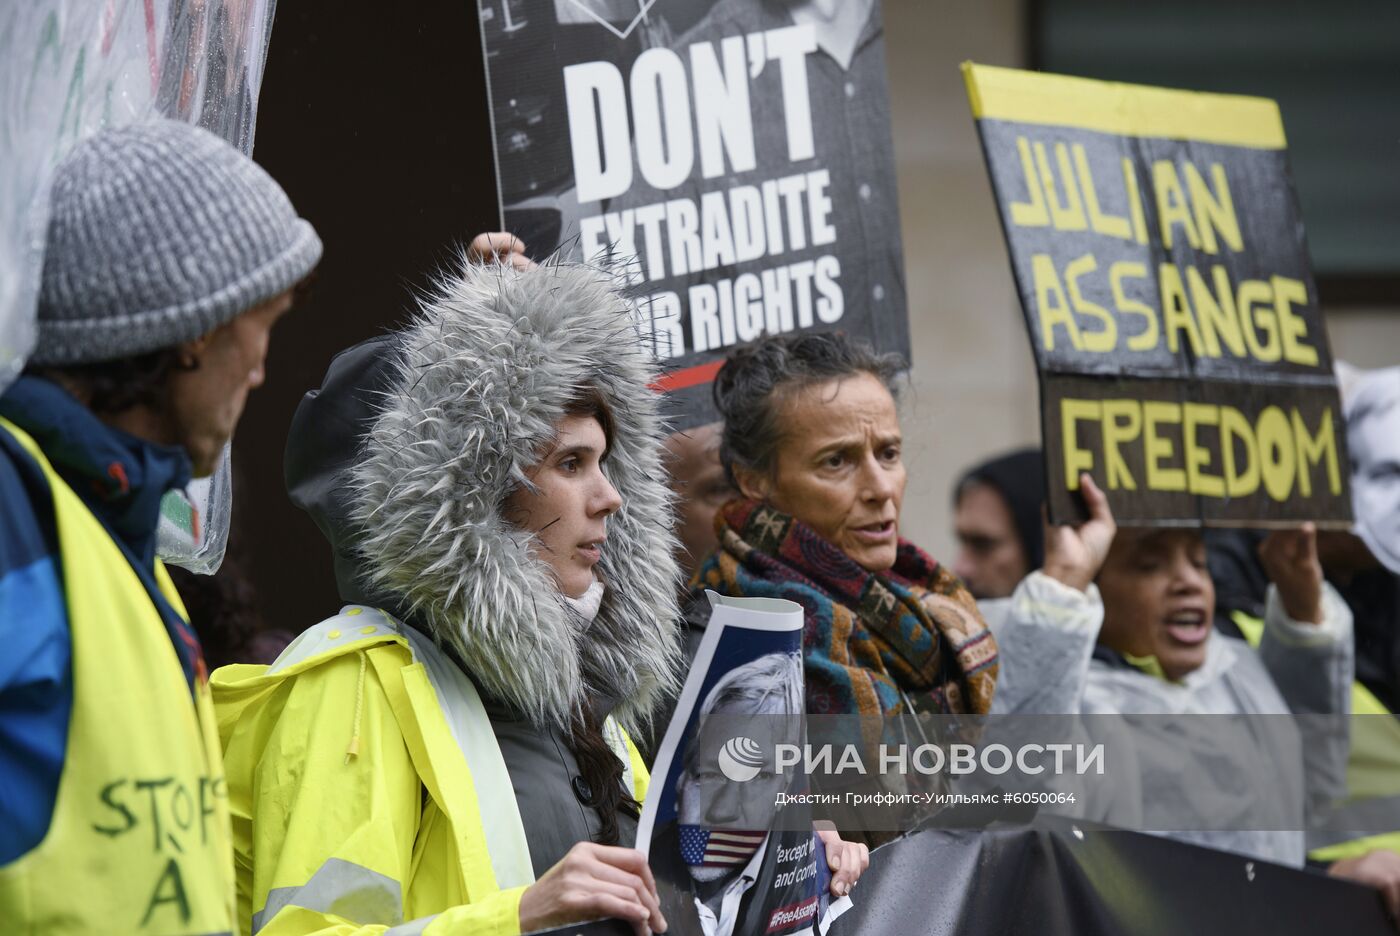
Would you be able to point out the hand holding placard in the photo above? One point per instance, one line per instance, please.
(590, 882)
(1290, 559)
(1074, 554)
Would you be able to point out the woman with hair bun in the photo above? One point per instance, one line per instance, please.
(812, 440)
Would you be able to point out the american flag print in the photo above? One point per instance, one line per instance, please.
(705, 847)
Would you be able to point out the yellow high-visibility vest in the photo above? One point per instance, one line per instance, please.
(368, 791)
(139, 841)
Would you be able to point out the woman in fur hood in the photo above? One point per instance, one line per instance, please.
(450, 752)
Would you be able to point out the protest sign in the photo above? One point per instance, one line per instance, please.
(1158, 250)
(735, 157)
(720, 846)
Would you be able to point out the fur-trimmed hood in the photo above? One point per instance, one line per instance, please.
(408, 452)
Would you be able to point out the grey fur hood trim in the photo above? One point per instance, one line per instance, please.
(479, 380)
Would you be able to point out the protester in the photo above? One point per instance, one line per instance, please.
(997, 518)
(1363, 567)
(1364, 564)
(1120, 622)
(813, 442)
(491, 478)
(701, 488)
(169, 257)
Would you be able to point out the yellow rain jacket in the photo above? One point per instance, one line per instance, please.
(367, 790)
(370, 786)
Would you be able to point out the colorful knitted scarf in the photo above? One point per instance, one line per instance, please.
(873, 643)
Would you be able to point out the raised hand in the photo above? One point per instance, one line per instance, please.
(1290, 559)
(1074, 554)
(499, 247)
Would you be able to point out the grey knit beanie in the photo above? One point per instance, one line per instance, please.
(159, 233)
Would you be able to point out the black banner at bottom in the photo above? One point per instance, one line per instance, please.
(1063, 878)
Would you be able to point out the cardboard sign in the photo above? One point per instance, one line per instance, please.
(735, 157)
(1158, 251)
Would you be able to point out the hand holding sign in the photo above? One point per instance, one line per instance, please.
(735, 164)
(499, 247)
(590, 882)
(847, 861)
(1379, 869)
(1290, 559)
(1074, 554)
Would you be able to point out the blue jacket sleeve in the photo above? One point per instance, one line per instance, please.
(36, 682)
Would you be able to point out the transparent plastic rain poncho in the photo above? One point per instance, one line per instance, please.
(69, 68)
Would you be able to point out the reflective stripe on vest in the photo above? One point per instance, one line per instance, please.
(458, 715)
(617, 740)
(341, 887)
(139, 840)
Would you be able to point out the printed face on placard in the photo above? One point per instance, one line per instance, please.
(727, 793)
(724, 819)
(1375, 450)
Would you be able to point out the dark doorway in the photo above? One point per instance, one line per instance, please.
(374, 118)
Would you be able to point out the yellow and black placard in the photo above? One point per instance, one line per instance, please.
(1158, 250)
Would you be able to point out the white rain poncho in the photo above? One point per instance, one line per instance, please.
(71, 67)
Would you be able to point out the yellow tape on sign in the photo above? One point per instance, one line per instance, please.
(1129, 110)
